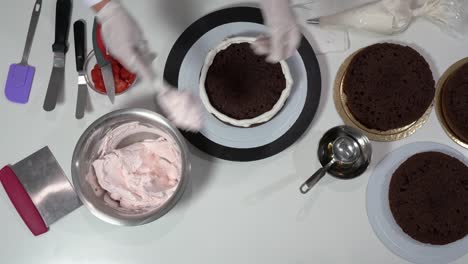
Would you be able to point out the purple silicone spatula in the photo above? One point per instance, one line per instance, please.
(20, 76)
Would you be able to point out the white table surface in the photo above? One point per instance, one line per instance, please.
(232, 212)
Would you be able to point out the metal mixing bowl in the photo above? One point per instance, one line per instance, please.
(86, 151)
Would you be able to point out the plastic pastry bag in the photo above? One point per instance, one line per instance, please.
(394, 16)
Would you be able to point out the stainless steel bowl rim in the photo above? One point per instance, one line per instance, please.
(162, 210)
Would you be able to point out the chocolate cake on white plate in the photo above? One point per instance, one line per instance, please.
(241, 88)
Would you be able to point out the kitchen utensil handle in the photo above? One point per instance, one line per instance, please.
(310, 183)
(31, 31)
(313, 21)
(62, 25)
(98, 44)
(80, 42)
(22, 201)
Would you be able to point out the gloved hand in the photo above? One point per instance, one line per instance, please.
(125, 41)
(181, 107)
(123, 36)
(284, 34)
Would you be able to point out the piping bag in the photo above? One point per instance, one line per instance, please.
(395, 16)
(182, 108)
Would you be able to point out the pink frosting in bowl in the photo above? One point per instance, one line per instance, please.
(130, 167)
(140, 175)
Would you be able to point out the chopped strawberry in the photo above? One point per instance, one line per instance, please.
(131, 79)
(120, 86)
(115, 69)
(124, 73)
(100, 87)
(96, 76)
(122, 77)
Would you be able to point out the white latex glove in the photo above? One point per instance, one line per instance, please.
(122, 35)
(180, 107)
(125, 41)
(284, 34)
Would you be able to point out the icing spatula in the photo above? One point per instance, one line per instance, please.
(21, 75)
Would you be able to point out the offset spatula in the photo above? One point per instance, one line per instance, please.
(79, 29)
(60, 47)
(20, 76)
(39, 190)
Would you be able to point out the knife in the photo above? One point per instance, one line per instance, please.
(103, 61)
(80, 51)
(60, 48)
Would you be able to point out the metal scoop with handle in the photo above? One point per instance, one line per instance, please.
(345, 151)
(20, 76)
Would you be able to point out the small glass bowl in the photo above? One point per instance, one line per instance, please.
(88, 67)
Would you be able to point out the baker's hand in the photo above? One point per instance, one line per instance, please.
(180, 107)
(284, 34)
(123, 37)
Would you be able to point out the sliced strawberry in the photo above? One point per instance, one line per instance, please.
(115, 69)
(123, 78)
(120, 86)
(124, 74)
(131, 79)
(94, 75)
(100, 86)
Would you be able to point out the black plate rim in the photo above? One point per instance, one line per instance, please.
(245, 14)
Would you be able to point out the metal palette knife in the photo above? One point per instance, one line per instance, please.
(60, 48)
(20, 76)
(39, 190)
(79, 29)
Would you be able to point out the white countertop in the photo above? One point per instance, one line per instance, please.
(232, 212)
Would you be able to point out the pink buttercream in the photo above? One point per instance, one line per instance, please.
(141, 175)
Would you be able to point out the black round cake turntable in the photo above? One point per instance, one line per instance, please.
(218, 139)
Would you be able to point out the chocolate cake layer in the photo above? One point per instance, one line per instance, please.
(241, 84)
(388, 86)
(455, 103)
(428, 198)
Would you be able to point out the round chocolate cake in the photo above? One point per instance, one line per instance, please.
(242, 86)
(455, 103)
(428, 198)
(388, 86)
